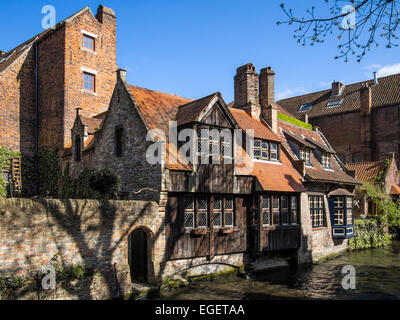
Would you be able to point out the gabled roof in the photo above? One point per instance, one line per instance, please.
(386, 92)
(190, 112)
(13, 55)
(367, 171)
(315, 173)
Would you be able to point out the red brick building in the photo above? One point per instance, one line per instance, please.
(360, 120)
(46, 78)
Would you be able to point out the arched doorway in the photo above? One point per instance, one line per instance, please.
(138, 255)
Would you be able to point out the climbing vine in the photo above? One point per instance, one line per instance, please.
(5, 162)
(389, 210)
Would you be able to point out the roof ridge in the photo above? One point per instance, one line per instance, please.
(156, 91)
(204, 98)
(365, 162)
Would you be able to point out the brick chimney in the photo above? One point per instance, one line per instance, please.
(246, 90)
(366, 99)
(105, 14)
(270, 115)
(267, 87)
(337, 88)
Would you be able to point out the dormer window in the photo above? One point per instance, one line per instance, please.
(265, 150)
(326, 160)
(305, 155)
(334, 103)
(305, 107)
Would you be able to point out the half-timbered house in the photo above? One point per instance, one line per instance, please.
(230, 191)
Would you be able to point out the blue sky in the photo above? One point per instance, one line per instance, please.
(192, 48)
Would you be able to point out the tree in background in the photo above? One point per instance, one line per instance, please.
(359, 25)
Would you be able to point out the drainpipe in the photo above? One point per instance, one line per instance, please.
(36, 157)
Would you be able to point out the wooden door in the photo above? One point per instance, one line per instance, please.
(138, 245)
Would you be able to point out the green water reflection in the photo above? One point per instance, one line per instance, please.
(377, 278)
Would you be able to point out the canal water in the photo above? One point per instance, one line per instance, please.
(377, 278)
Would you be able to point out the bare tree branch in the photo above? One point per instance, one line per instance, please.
(356, 26)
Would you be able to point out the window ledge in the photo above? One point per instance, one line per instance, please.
(89, 92)
(320, 228)
(281, 226)
(88, 50)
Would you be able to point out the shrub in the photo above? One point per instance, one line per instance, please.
(369, 234)
(91, 184)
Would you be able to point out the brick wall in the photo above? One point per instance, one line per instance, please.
(374, 136)
(17, 104)
(103, 61)
(95, 233)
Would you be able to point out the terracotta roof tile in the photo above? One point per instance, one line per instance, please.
(395, 190)
(261, 130)
(157, 108)
(93, 124)
(189, 112)
(270, 176)
(387, 92)
(366, 171)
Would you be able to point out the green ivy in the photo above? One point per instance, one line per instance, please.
(297, 122)
(49, 174)
(389, 210)
(5, 162)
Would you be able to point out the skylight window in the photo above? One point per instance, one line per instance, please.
(334, 103)
(305, 107)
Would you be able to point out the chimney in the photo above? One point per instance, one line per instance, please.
(337, 88)
(246, 90)
(121, 74)
(270, 115)
(85, 131)
(366, 100)
(267, 88)
(376, 78)
(304, 118)
(104, 14)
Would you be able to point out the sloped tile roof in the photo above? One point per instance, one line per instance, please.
(245, 121)
(366, 171)
(189, 112)
(316, 172)
(270, 176)
(93, 124)
(157, 108)
(387, 92)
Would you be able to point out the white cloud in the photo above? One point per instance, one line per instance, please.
(373, 67)
(287, 93)
(383, 71)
